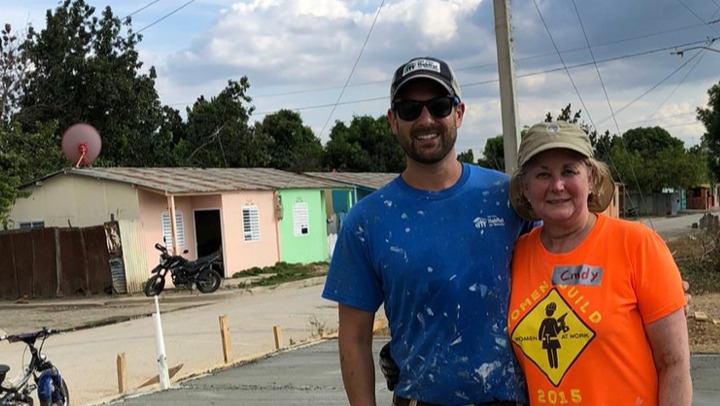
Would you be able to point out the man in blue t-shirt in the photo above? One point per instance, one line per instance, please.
(434, 246)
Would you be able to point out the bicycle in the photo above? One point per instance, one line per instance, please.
(51, 387)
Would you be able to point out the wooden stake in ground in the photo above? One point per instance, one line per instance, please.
(277, 334)
(225, 337)
(122, 373)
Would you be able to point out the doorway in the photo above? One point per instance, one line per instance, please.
(208, 232)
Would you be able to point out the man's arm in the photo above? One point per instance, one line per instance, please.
(356, 359)
(669, 342)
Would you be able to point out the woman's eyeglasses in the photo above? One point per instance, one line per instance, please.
(439, 107)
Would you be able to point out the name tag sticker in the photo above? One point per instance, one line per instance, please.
(584, 275)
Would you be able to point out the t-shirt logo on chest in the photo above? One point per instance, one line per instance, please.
(585, 275)
(489, 221)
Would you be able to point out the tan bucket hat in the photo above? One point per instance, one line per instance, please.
(559, 134)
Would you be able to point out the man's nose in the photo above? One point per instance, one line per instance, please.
(425, 115)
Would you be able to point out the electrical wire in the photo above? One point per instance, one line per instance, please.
(141, 8)
(612, 113)
(701, 55)
(518, 60)
(696, 15)
(357, 61)
(565, 68)
(165, 16)
(491, 81)
(655, 86)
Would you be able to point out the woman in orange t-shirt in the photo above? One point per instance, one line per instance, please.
(596, 309)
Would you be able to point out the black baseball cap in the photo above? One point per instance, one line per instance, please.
(425, 67)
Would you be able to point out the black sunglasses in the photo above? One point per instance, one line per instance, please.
(439, 107)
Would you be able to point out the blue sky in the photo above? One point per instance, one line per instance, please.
(300, 54)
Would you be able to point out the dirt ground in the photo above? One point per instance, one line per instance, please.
(79, 314)
(15, 318)
(705, 334)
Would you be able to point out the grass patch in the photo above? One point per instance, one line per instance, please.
(281, 272)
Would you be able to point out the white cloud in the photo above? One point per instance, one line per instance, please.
(299, 53)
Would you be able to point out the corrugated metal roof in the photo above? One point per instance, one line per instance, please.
(372, 180)
(198, 180)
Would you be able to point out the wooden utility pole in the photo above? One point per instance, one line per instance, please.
(506, 72)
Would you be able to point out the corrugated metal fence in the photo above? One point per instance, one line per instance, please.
(54, 262)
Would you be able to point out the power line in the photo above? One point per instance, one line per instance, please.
(357, 61)
(141, 8)
(165, 16)
(567, 71)
(653, 87)
(377, 82)
(592, 55)
(696, 15)
(527, 58)
(490, 81)
(702, 54)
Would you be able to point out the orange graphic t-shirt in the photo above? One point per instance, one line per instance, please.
(576, 320)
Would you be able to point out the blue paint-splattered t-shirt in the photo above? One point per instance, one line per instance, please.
(439, 261)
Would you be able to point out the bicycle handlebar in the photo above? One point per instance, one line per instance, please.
(29, 337)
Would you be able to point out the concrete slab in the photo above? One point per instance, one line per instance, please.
(311, 376)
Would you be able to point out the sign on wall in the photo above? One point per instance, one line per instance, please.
(301, 219)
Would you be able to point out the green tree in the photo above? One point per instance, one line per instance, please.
(710, 117)
(24, 157)
(295, 147)
(494, 154)
(8, 194)
(650, 159)
(367, 145)
(13, 68)
(467, 157)
(566, 114)
(218, 134)
(86, 69)
(650, 141)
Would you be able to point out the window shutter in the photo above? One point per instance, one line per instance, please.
(167, 228)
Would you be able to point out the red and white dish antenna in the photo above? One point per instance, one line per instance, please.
(81, 144)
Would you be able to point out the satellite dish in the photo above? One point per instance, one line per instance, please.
(81, 144)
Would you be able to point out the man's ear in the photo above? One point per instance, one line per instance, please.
(459, 114)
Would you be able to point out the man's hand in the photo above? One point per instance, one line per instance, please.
(688, 297)
(389, 368)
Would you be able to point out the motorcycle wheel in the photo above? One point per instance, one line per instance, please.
(208, 281)
(59, 399)
(154, 285)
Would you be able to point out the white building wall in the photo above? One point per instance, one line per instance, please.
(67, 200)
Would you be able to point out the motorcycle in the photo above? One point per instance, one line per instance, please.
(51, 387)
(205, 272)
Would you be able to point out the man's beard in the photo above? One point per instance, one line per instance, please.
(423, 156)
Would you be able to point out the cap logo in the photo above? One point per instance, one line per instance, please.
(421, 64)
(553, 128)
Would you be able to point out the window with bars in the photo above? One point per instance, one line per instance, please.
(167, 229)
(251, 223)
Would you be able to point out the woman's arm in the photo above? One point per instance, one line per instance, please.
(668, 338)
